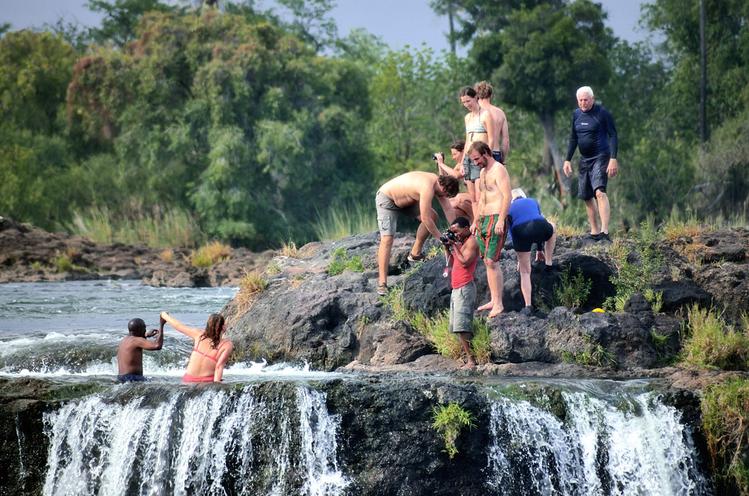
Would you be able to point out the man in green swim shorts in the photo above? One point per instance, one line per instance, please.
(491, 225)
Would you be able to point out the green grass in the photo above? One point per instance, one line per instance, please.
(573, 290)
(437, 329)
(711, 343)
(593, 355)
(157, 229)
(449, 420)
(638, 276)
(481, 344)
(341, 262)
(725, 419)
(343, 220)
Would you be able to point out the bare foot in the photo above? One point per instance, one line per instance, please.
(496, 311)
(468, 366)
(485, 306)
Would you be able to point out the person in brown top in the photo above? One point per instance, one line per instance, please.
(410, 194)
(130, 351)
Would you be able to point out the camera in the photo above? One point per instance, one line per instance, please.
(448, 237)
(436, 155)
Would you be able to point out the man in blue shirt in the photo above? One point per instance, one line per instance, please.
(594, 132)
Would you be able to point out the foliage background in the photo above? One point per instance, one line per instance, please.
(253, 128)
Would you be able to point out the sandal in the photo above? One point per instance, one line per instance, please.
(382, 289)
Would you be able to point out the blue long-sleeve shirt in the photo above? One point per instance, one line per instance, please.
(593, 132)
(523, 210)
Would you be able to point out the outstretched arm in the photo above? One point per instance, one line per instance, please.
(223, 357)
(446, 169)
(155, 345)
(193, 332)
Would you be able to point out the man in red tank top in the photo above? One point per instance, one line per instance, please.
(465, 252)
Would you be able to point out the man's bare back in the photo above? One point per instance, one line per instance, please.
(501, 136)
(407, 189)
(461, 204)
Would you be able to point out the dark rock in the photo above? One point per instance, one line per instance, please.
(638, 304)
(387, 438)
(682, 293)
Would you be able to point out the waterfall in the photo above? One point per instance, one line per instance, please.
(261, 439)
(637, 446)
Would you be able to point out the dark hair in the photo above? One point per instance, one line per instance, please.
(461, 222)
(467, 91)
(214, 328)
(458, 145)
(484, 90)
(136, 327)
(481, 147)
(449, 184)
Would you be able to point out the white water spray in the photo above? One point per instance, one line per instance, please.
(214, 442)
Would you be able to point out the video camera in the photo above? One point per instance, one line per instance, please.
(448, 237)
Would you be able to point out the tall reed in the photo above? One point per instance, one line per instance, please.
(158, 228)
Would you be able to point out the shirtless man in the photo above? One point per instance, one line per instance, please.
(490, 225)
(501, 140)
(410, 194)
(130, 351)
(479, 126)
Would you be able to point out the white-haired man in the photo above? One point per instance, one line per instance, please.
(594, 132)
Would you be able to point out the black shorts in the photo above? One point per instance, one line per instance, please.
(592, 176)
(535, 231)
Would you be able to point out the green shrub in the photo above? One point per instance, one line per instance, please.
(62, 263)
(573, 291)
(449, 420)
(340, 262)
(711, 343)
(639, 275)
(725, 419)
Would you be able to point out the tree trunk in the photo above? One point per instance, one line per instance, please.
(553, 157)
(703, 77)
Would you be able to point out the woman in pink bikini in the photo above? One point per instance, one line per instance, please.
(209, 351)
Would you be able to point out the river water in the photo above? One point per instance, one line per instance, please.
(270, 432)
(72, 329)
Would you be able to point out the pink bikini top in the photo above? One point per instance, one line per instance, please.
(213, 357)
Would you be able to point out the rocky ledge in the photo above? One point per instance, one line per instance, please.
(332, 321)
(30, 254)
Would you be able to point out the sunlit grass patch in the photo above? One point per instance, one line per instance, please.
(289, 249)
(167, 255)
(210, 254)
(712, 343)
(725, 420)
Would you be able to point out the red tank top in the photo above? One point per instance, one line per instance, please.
(462, 275)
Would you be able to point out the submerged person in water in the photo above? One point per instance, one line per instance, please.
(130, 351)
(210, 351)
